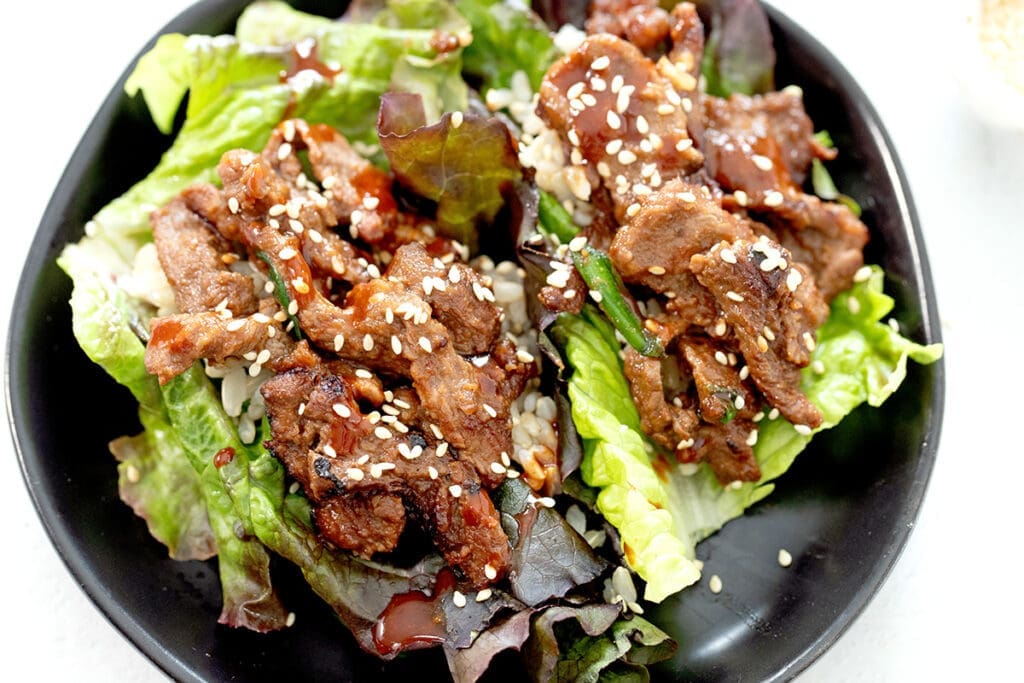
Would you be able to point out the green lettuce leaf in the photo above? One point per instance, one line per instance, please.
(661, 519)
(507, 37)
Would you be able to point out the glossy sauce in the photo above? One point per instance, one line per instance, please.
(223, 457)
(413, 619)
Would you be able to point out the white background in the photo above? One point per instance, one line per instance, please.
(950, 608)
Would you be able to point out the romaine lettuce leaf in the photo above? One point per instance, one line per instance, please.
(661, 519)
(507, 37)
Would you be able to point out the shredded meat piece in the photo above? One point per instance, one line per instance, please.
(642, 22)
(774, 329)
(195, 259)
(671, 426)
(727, 452)
(825, 236)
(332, 439)
(451, 290)
(634, 135)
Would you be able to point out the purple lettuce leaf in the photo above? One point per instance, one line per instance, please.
(465, 163)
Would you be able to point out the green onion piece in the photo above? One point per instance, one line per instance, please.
(555, 219)
(281, 292)
(850, 203)
(824, 139)
(599, 274)
(821, 181)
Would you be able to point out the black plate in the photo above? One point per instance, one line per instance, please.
(844, 511)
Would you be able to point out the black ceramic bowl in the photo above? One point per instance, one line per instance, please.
(844, 510)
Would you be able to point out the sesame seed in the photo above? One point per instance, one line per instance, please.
(457, 118)
(744, 372)
(720, 328)
(715, 584)
(853, 305)
(768, 334)
(524, 356)
(687, 197)
(497, 468)
(626, 157)
(614, 122)
(803, 430)
(455, 490)
(721, 358)
(342, 410)
(490, 410)
(588, 99)
(809, 341)
(785, 559)
(339, 342)
(622, 99)
(558, 278)
(740, 402)
(382, 433)
(665, 109)
(617, 83)
(633, 209)
(233, 204)
(432, 471)
(367, 342)
(300, 286)
(684, 144)
(373, 271)
(235, 325)
(354, 473)
(547, 501)
(574, 137)
(773, 414)
(400, 428)
(613, 146)
(287, 253)
(656, 270)
(773, 198)
(762, 162)
(425, 344)
(733, 296)
(863, 273)
(818, 367)
(762, 343)
(752, 437)
(741, 197)
(642, 126)
(396, 345)
(641, 189)
(284, 151)
(602, 62)
(436, 431)
(483, 595)
(728, 256)
(441, 449)
(458, 598)
(793, 280)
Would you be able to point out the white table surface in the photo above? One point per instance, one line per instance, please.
(949, 609)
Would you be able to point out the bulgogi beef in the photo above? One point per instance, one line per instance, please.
(395, 405)
(714, 233)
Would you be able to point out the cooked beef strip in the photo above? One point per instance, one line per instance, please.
(727, 452)
(722, 394)
(753, 284)
(634, 134)
(192, 255)
(653, 248)
(642, 22)
(825, 236)
(671, 426)
(738, 129)
(687, 34)
(451, 290)
(365, 523)
(323, 450)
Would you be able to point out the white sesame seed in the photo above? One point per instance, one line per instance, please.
(809, 341)
(524, 356)
(665, 109)
(656, 270)
(425, 344)
(785, 559)
(505, 460)
(342, 410)
(293, 307)
(721, 358)
(602, 62)
(803, 430)
(458, 598)
(863, 273)
(484, 595)
(773, 198)
(733, 296)
(613, 120)
(728, 256)
(287, 253)
(794, 279)
(490, 410)
(687, 197)
(768, 334)
(284, 151)
(300, 286)
(497, 468)
(740, 402)
(818, 367)
(441, 449)
(613, 146)
(455, 490)
(720, 328)
(633, 209)
(339, 342)
(457, 118)
(547, 501)
(382, 433)
(773, 414)
(762, 162)
(762, 343)
(752, 437)
(741, 197)
(596, 295)
(354, 473)
(715, 584)
(744, 372)
(626, 157)
(853, 305)
(684, 144)
(617, 83)
(367, 342)
(432, 471)
(235, 325)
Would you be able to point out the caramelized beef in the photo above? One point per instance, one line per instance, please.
(641, 22)
(671, 426)
(754, 285)
(195, 259)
